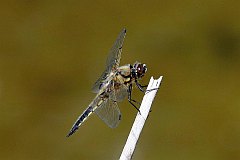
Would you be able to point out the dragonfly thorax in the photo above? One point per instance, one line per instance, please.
(138, 70)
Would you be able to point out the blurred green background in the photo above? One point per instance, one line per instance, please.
(51, 52)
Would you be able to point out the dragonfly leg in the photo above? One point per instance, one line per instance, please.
(147, 91)
(130, 100)
(140, 87)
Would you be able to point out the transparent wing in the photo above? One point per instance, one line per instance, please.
(114, 56)
(119, 91)
(102, 80)
(113, 61)
(109, 112)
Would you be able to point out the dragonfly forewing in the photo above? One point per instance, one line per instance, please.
(114, 56)
(112, 63)
(102, 80)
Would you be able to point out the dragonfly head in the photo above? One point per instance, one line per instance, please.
(139, 69)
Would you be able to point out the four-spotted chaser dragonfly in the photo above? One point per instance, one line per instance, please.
(113, 86)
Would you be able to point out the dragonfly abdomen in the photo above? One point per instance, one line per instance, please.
(96, 103)
(80, 120)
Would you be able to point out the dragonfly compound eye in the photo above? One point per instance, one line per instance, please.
(141, 69)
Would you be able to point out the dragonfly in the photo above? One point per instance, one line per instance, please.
(115, 83)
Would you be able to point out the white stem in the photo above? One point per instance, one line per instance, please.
(140, 119)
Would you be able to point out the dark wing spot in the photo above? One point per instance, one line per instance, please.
(120, 116)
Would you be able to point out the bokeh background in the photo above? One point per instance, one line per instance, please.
(51, 52)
